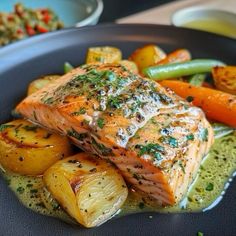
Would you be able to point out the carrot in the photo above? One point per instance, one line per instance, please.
(179, 55)
(217, 105)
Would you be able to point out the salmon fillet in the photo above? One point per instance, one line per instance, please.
(154, 137)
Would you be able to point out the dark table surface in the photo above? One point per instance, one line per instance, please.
(114, 9)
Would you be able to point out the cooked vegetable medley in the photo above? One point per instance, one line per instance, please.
(142, 144)
(25, 22)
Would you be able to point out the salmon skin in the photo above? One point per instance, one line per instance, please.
(155, 138)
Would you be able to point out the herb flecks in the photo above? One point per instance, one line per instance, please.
(101, 148)
(190, 137)
(153, 149)
(80, 136)
(100, 123)
(203, 134)
(81, 111)
(169, 140)
(5, 126)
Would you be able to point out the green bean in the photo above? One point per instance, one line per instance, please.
(67, 67)
(197, 79)
(176, 70)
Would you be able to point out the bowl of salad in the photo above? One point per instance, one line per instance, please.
(19, 20)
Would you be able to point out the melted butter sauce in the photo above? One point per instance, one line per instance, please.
(214, 176)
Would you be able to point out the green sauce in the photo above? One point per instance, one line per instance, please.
(213, 25)
(214, 176)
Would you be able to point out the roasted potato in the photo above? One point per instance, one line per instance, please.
(130, 65)
(147, 56)
(103, 55)
(225, 78)
(28, 149)
(90, 190)
(40, 83)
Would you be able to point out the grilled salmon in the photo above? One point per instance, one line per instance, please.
(154, 137)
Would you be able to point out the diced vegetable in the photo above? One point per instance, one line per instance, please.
(217, 105)
(176, 70)
(225, 78)
(28, 149)
(67, 67)
(90, 190)
(179, 55)
(103, 55)
(40, 83)
(198, 79)
(147, 55)
(130, 65)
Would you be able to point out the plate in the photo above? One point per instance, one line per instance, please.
(23, 61)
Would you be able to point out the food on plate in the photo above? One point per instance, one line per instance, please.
(130, 65)
(173, 70)
(180, 55)
(28, 149)
(217, 105)
(89, 189)
(25, 22)
(147, 55)
(40, 83)
(115, 118)
(198, 79)
(225, 78)
(103, 54)
(129, 126)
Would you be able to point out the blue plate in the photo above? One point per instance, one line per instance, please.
(71, 12)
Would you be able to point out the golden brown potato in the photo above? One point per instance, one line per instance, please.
(28, 149)
(90, 190)
(130, 65)
(37, 84)
(147, 56)
(225, 78)
(103, 54)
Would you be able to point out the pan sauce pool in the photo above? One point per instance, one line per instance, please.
(214, 177)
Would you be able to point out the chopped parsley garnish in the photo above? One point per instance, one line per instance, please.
(102, 149)
(153, 149)
(100, 123)
(190, 137)
(3, 127)
(173, 142)
(170, 140)
(75, 134)
(81, 111)
(114, 102)
(203, 134)
(209, 187)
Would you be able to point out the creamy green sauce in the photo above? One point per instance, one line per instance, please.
(215, 175)
(213, 25)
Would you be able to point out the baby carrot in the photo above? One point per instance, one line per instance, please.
(217, 105)
(179, 55)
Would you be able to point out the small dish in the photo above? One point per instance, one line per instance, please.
(206, 19)
(71, 12)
